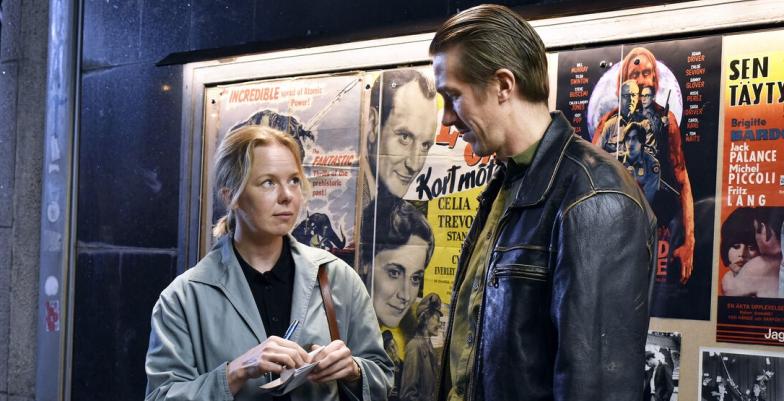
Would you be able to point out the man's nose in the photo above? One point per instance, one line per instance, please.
(449, 118)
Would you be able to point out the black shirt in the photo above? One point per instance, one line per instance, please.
(272, 290)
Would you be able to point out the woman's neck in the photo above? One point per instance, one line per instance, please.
(260, 254)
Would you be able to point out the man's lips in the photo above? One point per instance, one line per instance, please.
(404, 177)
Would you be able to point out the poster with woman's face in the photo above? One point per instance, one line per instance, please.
(750, 307)
(419, 187)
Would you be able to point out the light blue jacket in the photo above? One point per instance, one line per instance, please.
(207, 317)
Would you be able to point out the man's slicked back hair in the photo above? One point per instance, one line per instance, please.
(490, 37)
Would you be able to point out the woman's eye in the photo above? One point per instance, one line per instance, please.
(393, 273)
(267, 184)
(416, 279)
(295, 180)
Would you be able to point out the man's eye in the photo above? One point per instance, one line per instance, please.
(426, 146)
(393, 273)
(416, 279)
(405, 138)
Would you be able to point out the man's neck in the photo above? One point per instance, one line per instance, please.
(525, 126)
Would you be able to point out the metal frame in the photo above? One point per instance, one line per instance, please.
(639, 24)
(59, 176)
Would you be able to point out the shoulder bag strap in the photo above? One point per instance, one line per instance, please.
(329, 307)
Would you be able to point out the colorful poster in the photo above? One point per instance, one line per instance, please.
(420, 184)
(742, 375)
(662, 365)
(654, 107)
(751, 288)
(323, 115)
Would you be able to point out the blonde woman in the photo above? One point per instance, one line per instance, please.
(217, 329)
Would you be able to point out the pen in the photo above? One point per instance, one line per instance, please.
(289, 332)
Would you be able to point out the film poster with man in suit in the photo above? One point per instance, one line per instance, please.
(654, 107)
(420, 183)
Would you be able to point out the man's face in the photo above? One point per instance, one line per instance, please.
(646, 96)
(633, 145)
(406, 137)
(475, 112)
(641, 69)
(629, 95)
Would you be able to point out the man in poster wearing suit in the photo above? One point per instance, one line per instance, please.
(658, 379)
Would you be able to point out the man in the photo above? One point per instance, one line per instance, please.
(675, 193)
(658, 379)
(403, 101)
(539, 310)
(420, 369)
(649, 112)
(607, 138)
(640, 164)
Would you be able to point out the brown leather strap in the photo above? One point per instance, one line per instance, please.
(329, 307)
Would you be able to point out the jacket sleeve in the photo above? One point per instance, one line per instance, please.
(363, 338)
(600, 297)
(170, 366)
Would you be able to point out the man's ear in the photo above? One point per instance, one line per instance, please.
(506, 84)
(372, 127)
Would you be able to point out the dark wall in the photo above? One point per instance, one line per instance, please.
(129, 146)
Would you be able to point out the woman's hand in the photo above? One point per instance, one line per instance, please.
(334, 363)
(273, 355)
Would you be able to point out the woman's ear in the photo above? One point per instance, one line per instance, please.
(225, 195)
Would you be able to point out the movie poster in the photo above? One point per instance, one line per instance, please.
(419, 189)
(742, 375)
(663, 365)
(750, 305)
(323, 115)
(654, 107)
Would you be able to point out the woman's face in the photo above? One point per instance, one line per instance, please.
(397, 277)
(269, 204)
(739, 253)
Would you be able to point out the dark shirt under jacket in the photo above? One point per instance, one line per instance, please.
(272, 291)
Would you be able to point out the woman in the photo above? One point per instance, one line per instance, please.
(216, 330)
(738, 245)
(399, 247)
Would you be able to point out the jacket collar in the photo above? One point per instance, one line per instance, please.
(228, 277)
(533, 187)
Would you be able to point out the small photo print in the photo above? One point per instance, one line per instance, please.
(741, 375)
(662, 366)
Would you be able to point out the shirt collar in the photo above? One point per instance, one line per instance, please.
(280, 272)
(517, 164)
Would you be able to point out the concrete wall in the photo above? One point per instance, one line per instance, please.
(23, 49)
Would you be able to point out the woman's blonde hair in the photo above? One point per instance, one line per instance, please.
(233, 163)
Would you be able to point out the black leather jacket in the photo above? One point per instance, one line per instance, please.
(565, 310)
